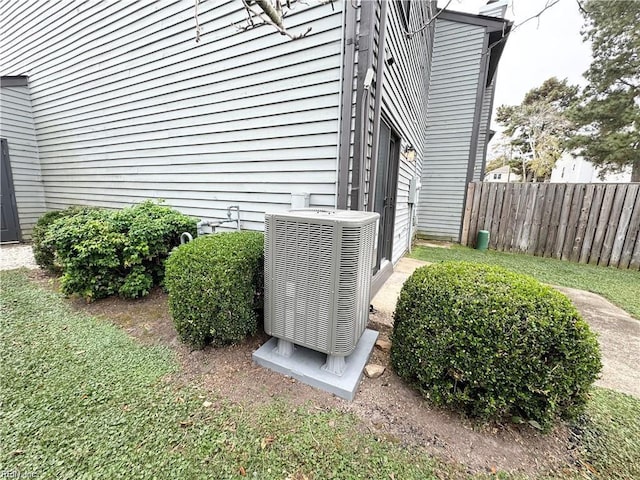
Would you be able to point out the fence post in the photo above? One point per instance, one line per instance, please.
(464, 237)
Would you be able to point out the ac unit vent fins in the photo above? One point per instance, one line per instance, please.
(318, 267)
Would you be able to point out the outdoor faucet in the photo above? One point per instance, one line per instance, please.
(236, 208)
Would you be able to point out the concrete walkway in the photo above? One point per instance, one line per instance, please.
(619, 337)
(618, 333)
(385, 300)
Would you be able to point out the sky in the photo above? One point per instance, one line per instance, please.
(537, 50)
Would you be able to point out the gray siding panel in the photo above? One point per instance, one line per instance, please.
(404, 103)
(128, 106)
(451, 112)
(16, 125)
(485, 118)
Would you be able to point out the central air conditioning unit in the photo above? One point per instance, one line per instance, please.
(318, 269)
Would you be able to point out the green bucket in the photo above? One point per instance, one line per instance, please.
(482, 243)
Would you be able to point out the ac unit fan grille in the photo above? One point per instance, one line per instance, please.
(354, 284)
(301, 279)
(317, 279)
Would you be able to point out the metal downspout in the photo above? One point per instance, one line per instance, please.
(365, 52)
(377, 108)
(347, 98)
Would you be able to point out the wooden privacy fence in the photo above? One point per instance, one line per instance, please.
(581, 222)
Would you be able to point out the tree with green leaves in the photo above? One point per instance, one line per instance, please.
(609, 111)
(538, 129)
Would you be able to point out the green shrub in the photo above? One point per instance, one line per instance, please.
(492, 343)
(43, 252)
(106, 252)
(215, 287)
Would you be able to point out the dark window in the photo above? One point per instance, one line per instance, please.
(405, 9)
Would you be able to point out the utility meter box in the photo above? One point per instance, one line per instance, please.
(414, 189)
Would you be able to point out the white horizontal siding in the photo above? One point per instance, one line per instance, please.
(128, 106)
(452, 105)
(16, 125)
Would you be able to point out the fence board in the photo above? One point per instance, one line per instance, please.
(504, 217)
(612, 225)
(464, 237)
(594, 223)
(545, 220)
(633, 235)
(491, 203)
(590, 231)
(530, 207)
(520, 213)
(583, 220)
(484, 199)
(572, 225)
(473, 224)
(634, 264)
(555, 220)
(601, 229)
(497, 212)
(564, 220)
(623, 224)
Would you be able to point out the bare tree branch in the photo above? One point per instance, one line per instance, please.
(548, 4)
(195, 16)
(411, 33)
(581, 7)
(268, 13)
(249, 15)
(272, 13)
(266, 17)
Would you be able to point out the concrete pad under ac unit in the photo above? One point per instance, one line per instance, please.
(305, 365)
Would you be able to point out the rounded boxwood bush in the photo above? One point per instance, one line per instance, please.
(493, 344)
(215, 287)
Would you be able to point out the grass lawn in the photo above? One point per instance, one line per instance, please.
(622, 287)
(610, 434)
(81, 399)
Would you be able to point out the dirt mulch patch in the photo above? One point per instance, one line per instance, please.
(386, 406)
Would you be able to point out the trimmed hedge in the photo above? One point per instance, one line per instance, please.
(106, 252)
(215, 286)
(493, 344)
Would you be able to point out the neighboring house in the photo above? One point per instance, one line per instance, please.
(502, 174)
(467, 49)
(570, 169)
(113, 103)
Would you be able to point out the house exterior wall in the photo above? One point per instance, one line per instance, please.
(402, 94)
(16, 125)
(483, 133)
(128, 106)
(502, 175)
(455, 77)
(365, 38)
(404, 104)
(569, 169)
